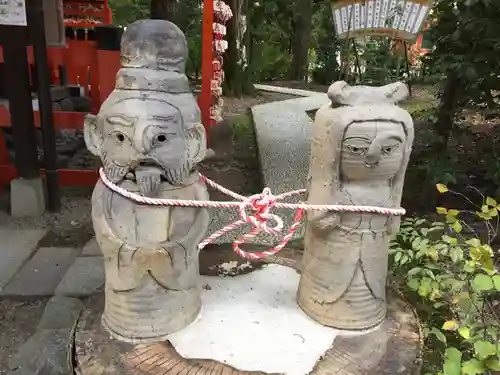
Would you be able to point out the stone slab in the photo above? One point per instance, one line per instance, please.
(27, 197)
(47, 352)
(274, 334)
(43, 272)
(91, 248)
(283, 131)
(60, 312)
(285, 90)
(16, 247)
(84, 277)
(283, 138)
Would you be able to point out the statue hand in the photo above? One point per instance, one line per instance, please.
(323, 223)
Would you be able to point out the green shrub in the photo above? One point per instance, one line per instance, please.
(447, 267)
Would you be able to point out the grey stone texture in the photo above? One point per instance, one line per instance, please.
(45, 353)
(16, 247)
(48, 351)
(27, 197)
(285, 90)
(60, 312)
(283, 131)
(91, 248)
(42, 273)
(84, 277)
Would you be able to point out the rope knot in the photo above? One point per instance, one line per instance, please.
(261, 205)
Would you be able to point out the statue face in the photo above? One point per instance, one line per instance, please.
(145, 141)
(372, 150)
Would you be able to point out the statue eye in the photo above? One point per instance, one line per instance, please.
(357, 150)
(119, 137)
(388, 149)
(160, 138)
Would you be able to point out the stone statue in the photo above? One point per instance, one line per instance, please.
(360, 149)
(149, 137)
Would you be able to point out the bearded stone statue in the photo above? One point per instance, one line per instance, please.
(150, 139)
(360, 149)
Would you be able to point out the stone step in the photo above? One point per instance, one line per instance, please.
(16, 248)
(42, 273)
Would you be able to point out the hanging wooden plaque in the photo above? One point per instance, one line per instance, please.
(401, 19)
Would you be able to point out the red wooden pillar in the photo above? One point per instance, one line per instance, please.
(108, 15)
(109, 64)
(205, 99)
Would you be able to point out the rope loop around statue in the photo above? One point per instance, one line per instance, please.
(259, 213)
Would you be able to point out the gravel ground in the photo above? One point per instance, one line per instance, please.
(18, 320)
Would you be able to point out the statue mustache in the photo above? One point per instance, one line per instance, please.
(148, 173)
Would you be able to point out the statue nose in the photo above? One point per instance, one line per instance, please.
(140, 145)
(372, 157)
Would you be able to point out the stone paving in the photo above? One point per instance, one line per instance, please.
(68, 274)
(45, 271)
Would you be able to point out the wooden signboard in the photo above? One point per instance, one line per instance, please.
(400, 19)
(54, 23)
(13, 13)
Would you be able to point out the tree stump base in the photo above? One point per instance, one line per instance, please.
(394, 348)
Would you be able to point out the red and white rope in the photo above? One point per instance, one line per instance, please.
(260, 216)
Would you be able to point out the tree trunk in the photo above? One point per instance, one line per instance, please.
(301, 38)
(447, 105)
(237, 75)
(163, 10)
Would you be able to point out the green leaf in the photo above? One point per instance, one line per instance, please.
(450, 240)
(425, 287)
(438, 334)
(491, 202)
(472, 367)
(484, 216)
(484, 349)
(452, 362)
(441, 188)
(473, 242)
(413, 284)
(456, 254)
(414, 271)
(485, 209)
(493, 364)
(496, 282)
(441, 210)
(469, 267)
(482, 283)
(450, 325)
(453, 213)
(457, 227)
(464, 332)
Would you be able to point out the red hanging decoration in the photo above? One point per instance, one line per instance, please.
(222, 13)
